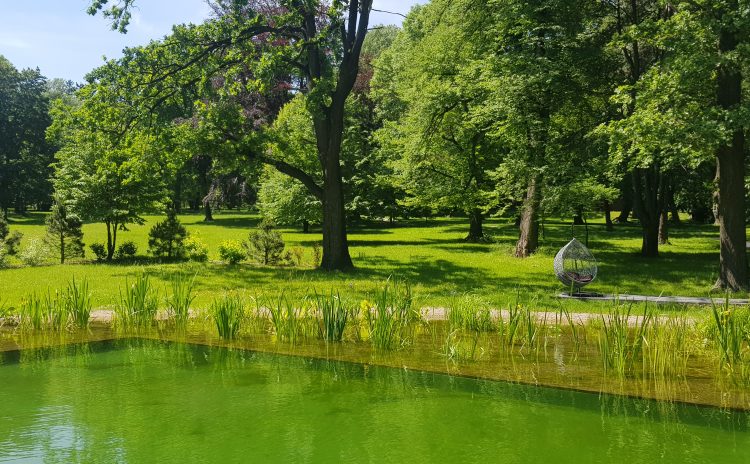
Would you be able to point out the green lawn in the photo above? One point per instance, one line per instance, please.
(430, 254)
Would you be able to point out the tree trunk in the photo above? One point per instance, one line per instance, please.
(305, 226)
(663, 228)
(528, 239)
(335, 243)
(476, 233)
(730, 177)
(207, 213)
(650, 244)
(608, 216)
(578, 218)
(62, 248)
(627, 200)
(110, 242)
(647, 185)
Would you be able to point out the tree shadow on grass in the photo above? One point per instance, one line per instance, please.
(29, 219)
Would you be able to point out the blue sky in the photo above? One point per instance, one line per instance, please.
(59, 38)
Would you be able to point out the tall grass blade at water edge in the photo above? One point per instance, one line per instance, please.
(138, 304)
(227, 313)
(332, 316)
(182, 296)
(78, 303)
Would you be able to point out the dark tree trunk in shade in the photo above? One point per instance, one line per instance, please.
(528, 239)
(730, 177)
(647, 204)
(208, 214)
(627, 200)
(111, 239)
(608, 217)
(663, 228)
(476, 232)
(305, 226)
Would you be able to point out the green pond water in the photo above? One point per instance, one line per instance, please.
(143, 401)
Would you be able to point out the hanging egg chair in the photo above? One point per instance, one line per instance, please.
(575, 266)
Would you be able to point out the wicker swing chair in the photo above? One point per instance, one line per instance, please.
(575, 266)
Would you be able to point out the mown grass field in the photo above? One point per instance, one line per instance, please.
(429, 253)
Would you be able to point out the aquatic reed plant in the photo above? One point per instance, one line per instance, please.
(291, 321)
(333, 314)
(508, 329)
(469, 312)
(57, 316)
(182, 296)
(138, 303)
(32, 313)
(391, 315)
(77, 302)
(666, 347)
(620, 344)
(228, 312)
(730, 333)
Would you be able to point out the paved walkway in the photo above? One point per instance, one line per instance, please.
(683, 300)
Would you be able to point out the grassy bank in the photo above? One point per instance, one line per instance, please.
(430, 254)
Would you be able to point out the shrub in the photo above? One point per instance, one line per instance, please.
(266, 244)
(35, 253)
(3, 255)
(9, 241)
(167, 237)
(317, 254)
(297, 255)
(99, 250)
(64, 231)
(126, 250)
(231, 251)
(13, 242)
(195, 249)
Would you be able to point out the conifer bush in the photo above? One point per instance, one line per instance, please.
(167, 237)
(266, 244)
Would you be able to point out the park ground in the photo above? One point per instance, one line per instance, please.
(430, 254)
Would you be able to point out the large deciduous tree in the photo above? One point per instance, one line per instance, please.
(24, 154)
(315, 44)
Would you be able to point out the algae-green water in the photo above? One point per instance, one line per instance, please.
(140, 401)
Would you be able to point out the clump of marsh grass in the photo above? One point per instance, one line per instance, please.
(391, 315)
(33, 313)
(228, 313)
(287, 319)
(620, 345)
(666, 347)
(469, 312)
(333, 314)
(182, 296)
(731, 334)
(138, 303)
(77, 301)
